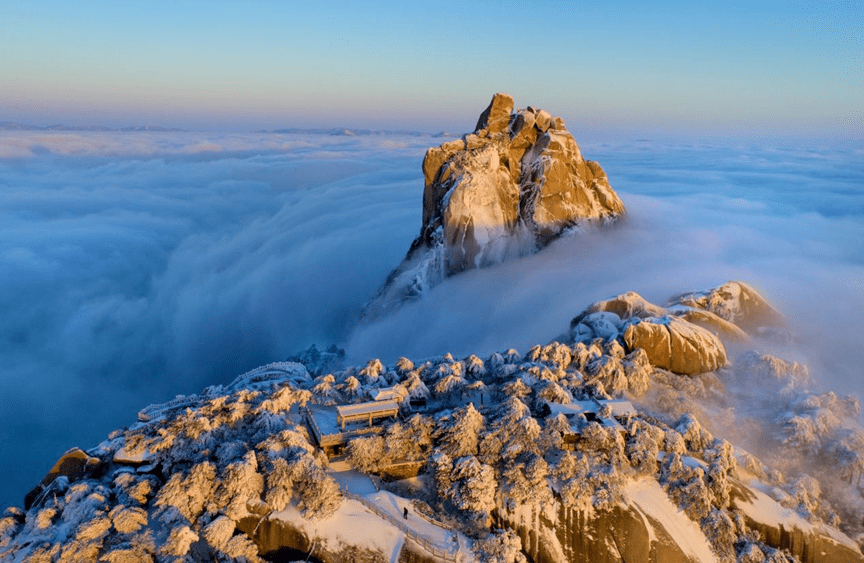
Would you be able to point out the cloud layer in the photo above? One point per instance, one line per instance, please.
(137, 266)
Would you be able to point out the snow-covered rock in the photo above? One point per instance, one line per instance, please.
(677, 345)
(507, 189)
(735, 302)
(668, 337)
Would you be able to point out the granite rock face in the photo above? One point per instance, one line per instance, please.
(505, 190)
(677, 345)
(735, 302)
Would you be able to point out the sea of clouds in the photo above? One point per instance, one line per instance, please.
(136, 266)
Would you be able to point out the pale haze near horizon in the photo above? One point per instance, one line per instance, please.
(611, 69)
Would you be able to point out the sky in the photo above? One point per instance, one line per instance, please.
(619, 69)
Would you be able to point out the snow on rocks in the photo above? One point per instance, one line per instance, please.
(509, 188)
(677, 345)
(735, 302)
(532, 444)
(669, 341)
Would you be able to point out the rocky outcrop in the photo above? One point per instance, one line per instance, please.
(677, 345)
(668, 337)
(507, 189)
(735, 302)
(784, 529)
(688, 336)
(72, 466)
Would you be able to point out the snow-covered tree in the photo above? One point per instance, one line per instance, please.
(367, 454)
(554, 429)
(178, 542)
(643, 446)
(403, 366)
(280, 484)
(473, 489)
(517, 388)
(475, 367)
(219, 534)
(240, 483)
(501, 546)
(189, 494)
(319, 495)
(457, 433)
(513, 431)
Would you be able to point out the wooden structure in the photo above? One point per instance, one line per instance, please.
(345, 414)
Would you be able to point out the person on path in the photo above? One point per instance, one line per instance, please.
(405, 513)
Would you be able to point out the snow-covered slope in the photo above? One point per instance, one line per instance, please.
(580, 451)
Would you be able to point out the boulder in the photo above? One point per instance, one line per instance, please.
(735, 302)
(676, 345)
(625, 306)
(505, 190)
(73, 465)
(727, 331)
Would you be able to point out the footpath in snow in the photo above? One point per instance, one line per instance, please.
(436, 538)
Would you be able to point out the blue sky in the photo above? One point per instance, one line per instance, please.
(730, 68)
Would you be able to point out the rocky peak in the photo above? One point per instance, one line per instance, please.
(507, 189)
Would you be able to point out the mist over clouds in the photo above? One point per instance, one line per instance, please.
(137, 266)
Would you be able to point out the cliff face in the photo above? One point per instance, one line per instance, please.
(509, 188)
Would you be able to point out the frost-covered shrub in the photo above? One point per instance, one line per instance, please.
(190, 493)
(473, 487)
(642, 447)
(685, 485)
(367, 454)
(501, 546)
(178, 541)
(239, 484)
(721, 533)
(319, 495)
(457, 433)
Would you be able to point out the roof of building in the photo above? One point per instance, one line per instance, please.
(396, 393)
(371, 408)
